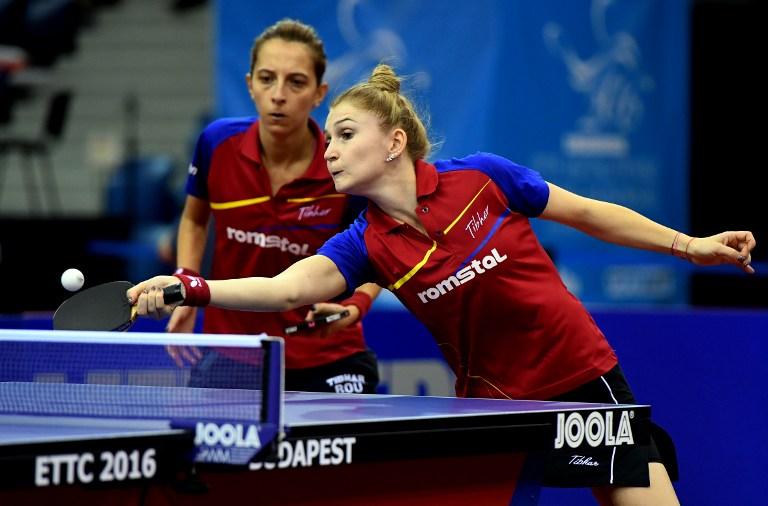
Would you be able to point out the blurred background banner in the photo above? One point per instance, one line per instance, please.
(591, 93)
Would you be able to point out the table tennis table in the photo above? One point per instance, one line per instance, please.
(336, 449)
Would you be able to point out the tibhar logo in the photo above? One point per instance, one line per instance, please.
(596, 430)
(192, 169)
(267, 241)
(347, 383)
(581, 460)
(313, 211)
(476, 221)
(462, 276)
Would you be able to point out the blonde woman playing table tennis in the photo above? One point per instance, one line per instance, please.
(453, 241)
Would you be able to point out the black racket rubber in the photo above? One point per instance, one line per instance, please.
(322, 320)
(103, 307)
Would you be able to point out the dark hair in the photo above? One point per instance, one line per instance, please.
(291, 30)
(381, 96)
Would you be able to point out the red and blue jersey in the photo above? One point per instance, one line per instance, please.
(480, 281)
(260, 234)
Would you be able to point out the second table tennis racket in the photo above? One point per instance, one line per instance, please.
(104, 307)
(317, 322)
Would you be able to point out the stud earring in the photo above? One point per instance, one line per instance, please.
(391, 157)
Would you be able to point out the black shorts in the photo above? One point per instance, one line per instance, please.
(357, 373)
(593, 467)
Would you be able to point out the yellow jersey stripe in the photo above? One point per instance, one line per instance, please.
(239, 203)
(400, 282)
(464, 211)
(310, 199)
(260, 200)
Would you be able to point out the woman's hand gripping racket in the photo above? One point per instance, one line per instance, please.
(104, 307)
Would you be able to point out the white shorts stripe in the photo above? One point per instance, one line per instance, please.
(613, 452)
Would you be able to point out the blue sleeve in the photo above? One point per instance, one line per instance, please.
(526, 191)
(348, 251)
(213, 135)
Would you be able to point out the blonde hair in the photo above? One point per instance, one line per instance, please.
(381, 95)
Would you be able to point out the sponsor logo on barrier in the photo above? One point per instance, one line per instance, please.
(228, 435)
(226, 443)
(311, 452)
(102, 467)
(596, 430)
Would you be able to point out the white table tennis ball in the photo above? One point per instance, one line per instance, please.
(72, 280)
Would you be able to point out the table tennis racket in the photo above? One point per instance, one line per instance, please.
(104, 307)
(317, 322)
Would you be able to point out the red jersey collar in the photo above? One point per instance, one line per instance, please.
(249, 147)
(426, 184)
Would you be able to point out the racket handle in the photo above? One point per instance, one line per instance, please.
(172, 294)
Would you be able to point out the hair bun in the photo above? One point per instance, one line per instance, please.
(384, 78)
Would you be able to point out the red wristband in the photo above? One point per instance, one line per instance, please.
(188, 272)
(197, 293)
(360, 299)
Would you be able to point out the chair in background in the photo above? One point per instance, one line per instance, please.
(39, 148)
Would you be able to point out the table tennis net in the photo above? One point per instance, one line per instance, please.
(132, 376)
